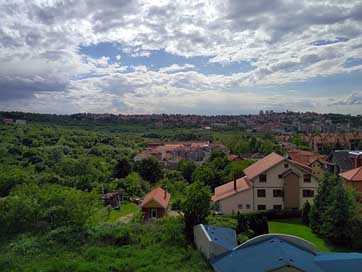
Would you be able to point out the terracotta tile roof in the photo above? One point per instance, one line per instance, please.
(262, 165)
(302, 166)
(304, 157)
(232, 157)
(159, 195)
(227, 189)
(353, 175)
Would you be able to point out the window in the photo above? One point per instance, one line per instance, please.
(308, 193)
(261, 193)
(307, 178)
(248, 206)
(278, 193)
(153, 213)
(261, 207)
(240, 206)
(286, 165)
(277, 207)
(262, 178)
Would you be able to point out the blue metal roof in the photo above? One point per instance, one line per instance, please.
(224, 237)
(336, 262)
(264, 256)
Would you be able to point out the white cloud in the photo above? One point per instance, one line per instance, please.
(40, 40)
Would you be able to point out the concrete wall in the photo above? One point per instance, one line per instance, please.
(204, 244)
(231, 204)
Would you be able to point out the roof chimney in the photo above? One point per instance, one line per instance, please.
(234, 183)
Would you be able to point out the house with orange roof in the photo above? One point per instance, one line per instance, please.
(271, 183)
(155, 204)
(170, 153)
(353, 179)
(312, 159)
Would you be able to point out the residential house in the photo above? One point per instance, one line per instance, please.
(344, 160)
(20, 122)
(155, 204)
(314, 160)
(274, 182)
(347, 140)
(233, 157)
(353, 179)
(269, 252)
(8, 121)
(169, 154)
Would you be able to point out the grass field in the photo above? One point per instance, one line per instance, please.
(295, 227)
(126, 209)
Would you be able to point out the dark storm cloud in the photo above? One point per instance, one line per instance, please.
(25, 88)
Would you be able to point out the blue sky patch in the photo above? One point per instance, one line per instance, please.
(351, 62)
(326, 42)
(160, 58)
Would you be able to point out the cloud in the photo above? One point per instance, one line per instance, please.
(354, 98)
(283, 41)
(176, 68)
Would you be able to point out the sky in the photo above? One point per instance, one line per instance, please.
(172, 56)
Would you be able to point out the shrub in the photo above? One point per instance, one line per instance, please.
(256, 222)
(242, 237)
(306, 213)
(354, 233)
(42, 208)
(113, 234)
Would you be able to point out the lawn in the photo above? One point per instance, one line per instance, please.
(125, 209)
(295, 227)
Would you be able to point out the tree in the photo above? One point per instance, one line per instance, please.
(207, 176)
(337, 215)
(306, 213)
(217, 154)
(187, 168)
(322, 201)
(132, 185)
(149, 169)
(122, 168)
(196, 206)
(354, 233)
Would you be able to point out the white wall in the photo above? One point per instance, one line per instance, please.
(230, 204)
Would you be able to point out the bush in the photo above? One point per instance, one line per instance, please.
(242, 237)
(256, 222)
(354, 233)
(306, 213)
(113, 234)
(36, 208)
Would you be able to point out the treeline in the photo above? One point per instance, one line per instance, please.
(250, 143)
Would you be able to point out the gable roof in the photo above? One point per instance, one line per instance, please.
(342, 159)
(225, 237)
(303, 156)
(353, 175)
(262, 165)
(227, 189)
(159, 195)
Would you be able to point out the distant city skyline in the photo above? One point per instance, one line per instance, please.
(189, 57)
